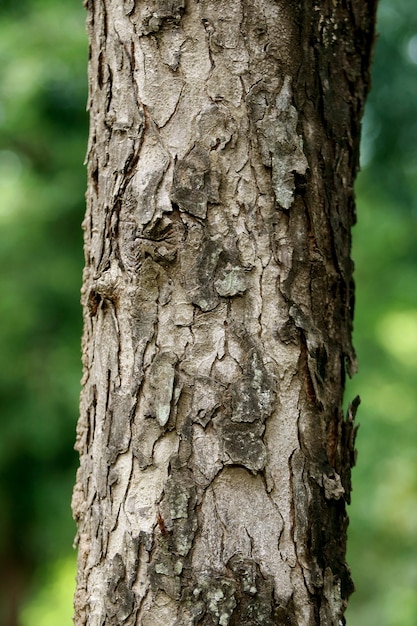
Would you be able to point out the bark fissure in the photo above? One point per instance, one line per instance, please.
(214, 455)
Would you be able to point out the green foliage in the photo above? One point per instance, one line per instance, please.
(52, 604)
(43, 135)
(43, 130)
(382, 546)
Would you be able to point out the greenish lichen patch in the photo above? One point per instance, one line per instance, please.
(161, 385)
(175, 531)
(153, 15)
(242, 443)
(239, 596)
(211, 598)
(253, 396)
(231, 282)
(280, 145)
(256, 605)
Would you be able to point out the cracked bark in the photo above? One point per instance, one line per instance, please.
(214, 455)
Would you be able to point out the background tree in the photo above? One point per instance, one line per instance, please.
(42, 97)
(214, 455)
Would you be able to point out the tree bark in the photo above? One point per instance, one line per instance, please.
(214, 455)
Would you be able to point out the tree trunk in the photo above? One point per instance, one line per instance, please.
(215, 457)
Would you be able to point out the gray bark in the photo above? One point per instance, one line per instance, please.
(214, 455)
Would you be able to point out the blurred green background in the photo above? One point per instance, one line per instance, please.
(43, 134)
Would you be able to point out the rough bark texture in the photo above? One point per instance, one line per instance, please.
(215, 458)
